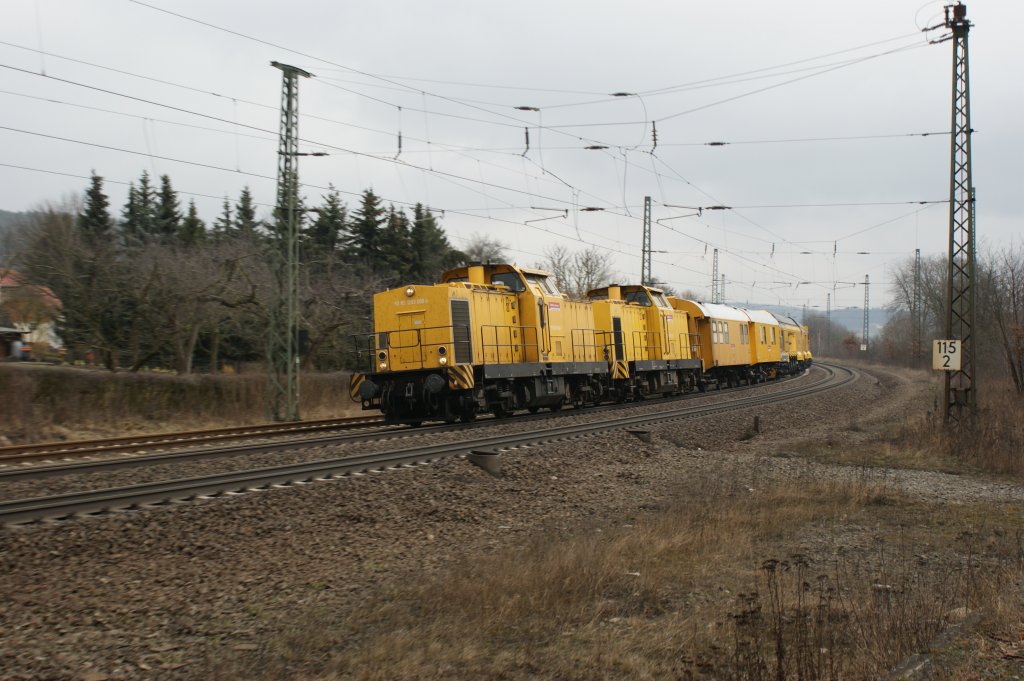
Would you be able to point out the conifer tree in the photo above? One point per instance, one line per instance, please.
(364, 232)
(431, 251)
(224, 225)
(167, 214)
(146, 205)
(396, 256)
(95, 222)
(326, 230)
(130, 217)
(192, 230)
(245, 214)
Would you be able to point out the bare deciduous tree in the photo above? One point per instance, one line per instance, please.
(483, 248)
(576, 273)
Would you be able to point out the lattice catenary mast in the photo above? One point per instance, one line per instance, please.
(714, 278)
(960, 386)
(282, 334)
(645, 274)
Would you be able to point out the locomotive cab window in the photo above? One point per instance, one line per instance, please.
(509, 279)
(543, 283)
(637, 298)
(660, 300)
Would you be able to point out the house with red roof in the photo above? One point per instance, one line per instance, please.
(28, 317)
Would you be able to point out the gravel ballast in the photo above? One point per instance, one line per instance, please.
(162, 593)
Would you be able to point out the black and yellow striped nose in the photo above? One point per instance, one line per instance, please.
(353, 386)
(460, 377)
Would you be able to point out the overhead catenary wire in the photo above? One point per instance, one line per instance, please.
(256, 128)
(626, 162)
(119, 182)
(499, 112)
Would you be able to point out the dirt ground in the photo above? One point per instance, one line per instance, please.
(831, 544)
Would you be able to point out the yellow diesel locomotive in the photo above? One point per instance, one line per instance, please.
(500, 338)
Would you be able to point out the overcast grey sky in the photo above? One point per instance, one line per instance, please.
(450, 74)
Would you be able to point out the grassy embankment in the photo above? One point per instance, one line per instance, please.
(806, 576)
(41, 402)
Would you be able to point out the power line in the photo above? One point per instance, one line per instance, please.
(790, 81)
(304, 184)
(51, 100)
(517, 121)
(841, 205)
(253, 127)
(820, 71)
(781, 66)
(120, 182)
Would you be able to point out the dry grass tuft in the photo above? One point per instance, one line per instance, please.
(729, 582)
(992, 442)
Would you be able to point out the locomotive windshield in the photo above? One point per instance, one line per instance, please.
(545, 284)
(660, 300)
(510, 279)
(637, 297)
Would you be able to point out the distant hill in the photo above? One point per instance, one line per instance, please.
(851, 319)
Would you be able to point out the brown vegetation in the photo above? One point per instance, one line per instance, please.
(729, 582)
(40, 403)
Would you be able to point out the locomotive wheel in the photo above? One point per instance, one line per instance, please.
(577, 401)
(533, 410)
(556, 407)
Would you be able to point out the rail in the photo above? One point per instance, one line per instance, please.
(64, 505)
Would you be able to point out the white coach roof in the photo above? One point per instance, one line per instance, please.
(716, 311)
(762, 317)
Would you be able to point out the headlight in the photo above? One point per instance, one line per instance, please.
(442, 350)
(442, 360)
(410, 291)
(383, 366)
(382, 356)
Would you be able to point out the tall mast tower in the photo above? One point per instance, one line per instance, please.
(714, 279)
(645, 274)
(960, 386)
(283, 331)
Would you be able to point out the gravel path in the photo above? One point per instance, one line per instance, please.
(165, 593)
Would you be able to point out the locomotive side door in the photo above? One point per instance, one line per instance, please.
(409, 340)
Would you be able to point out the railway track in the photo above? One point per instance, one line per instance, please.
(365, 428)
(22, 511)
(137, 443)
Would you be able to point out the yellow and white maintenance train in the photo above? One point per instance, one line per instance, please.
(501, 338)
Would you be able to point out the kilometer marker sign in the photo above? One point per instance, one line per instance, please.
(946, 355)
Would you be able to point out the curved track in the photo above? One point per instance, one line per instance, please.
(358, 429)
(137, 443)
(64, 505)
